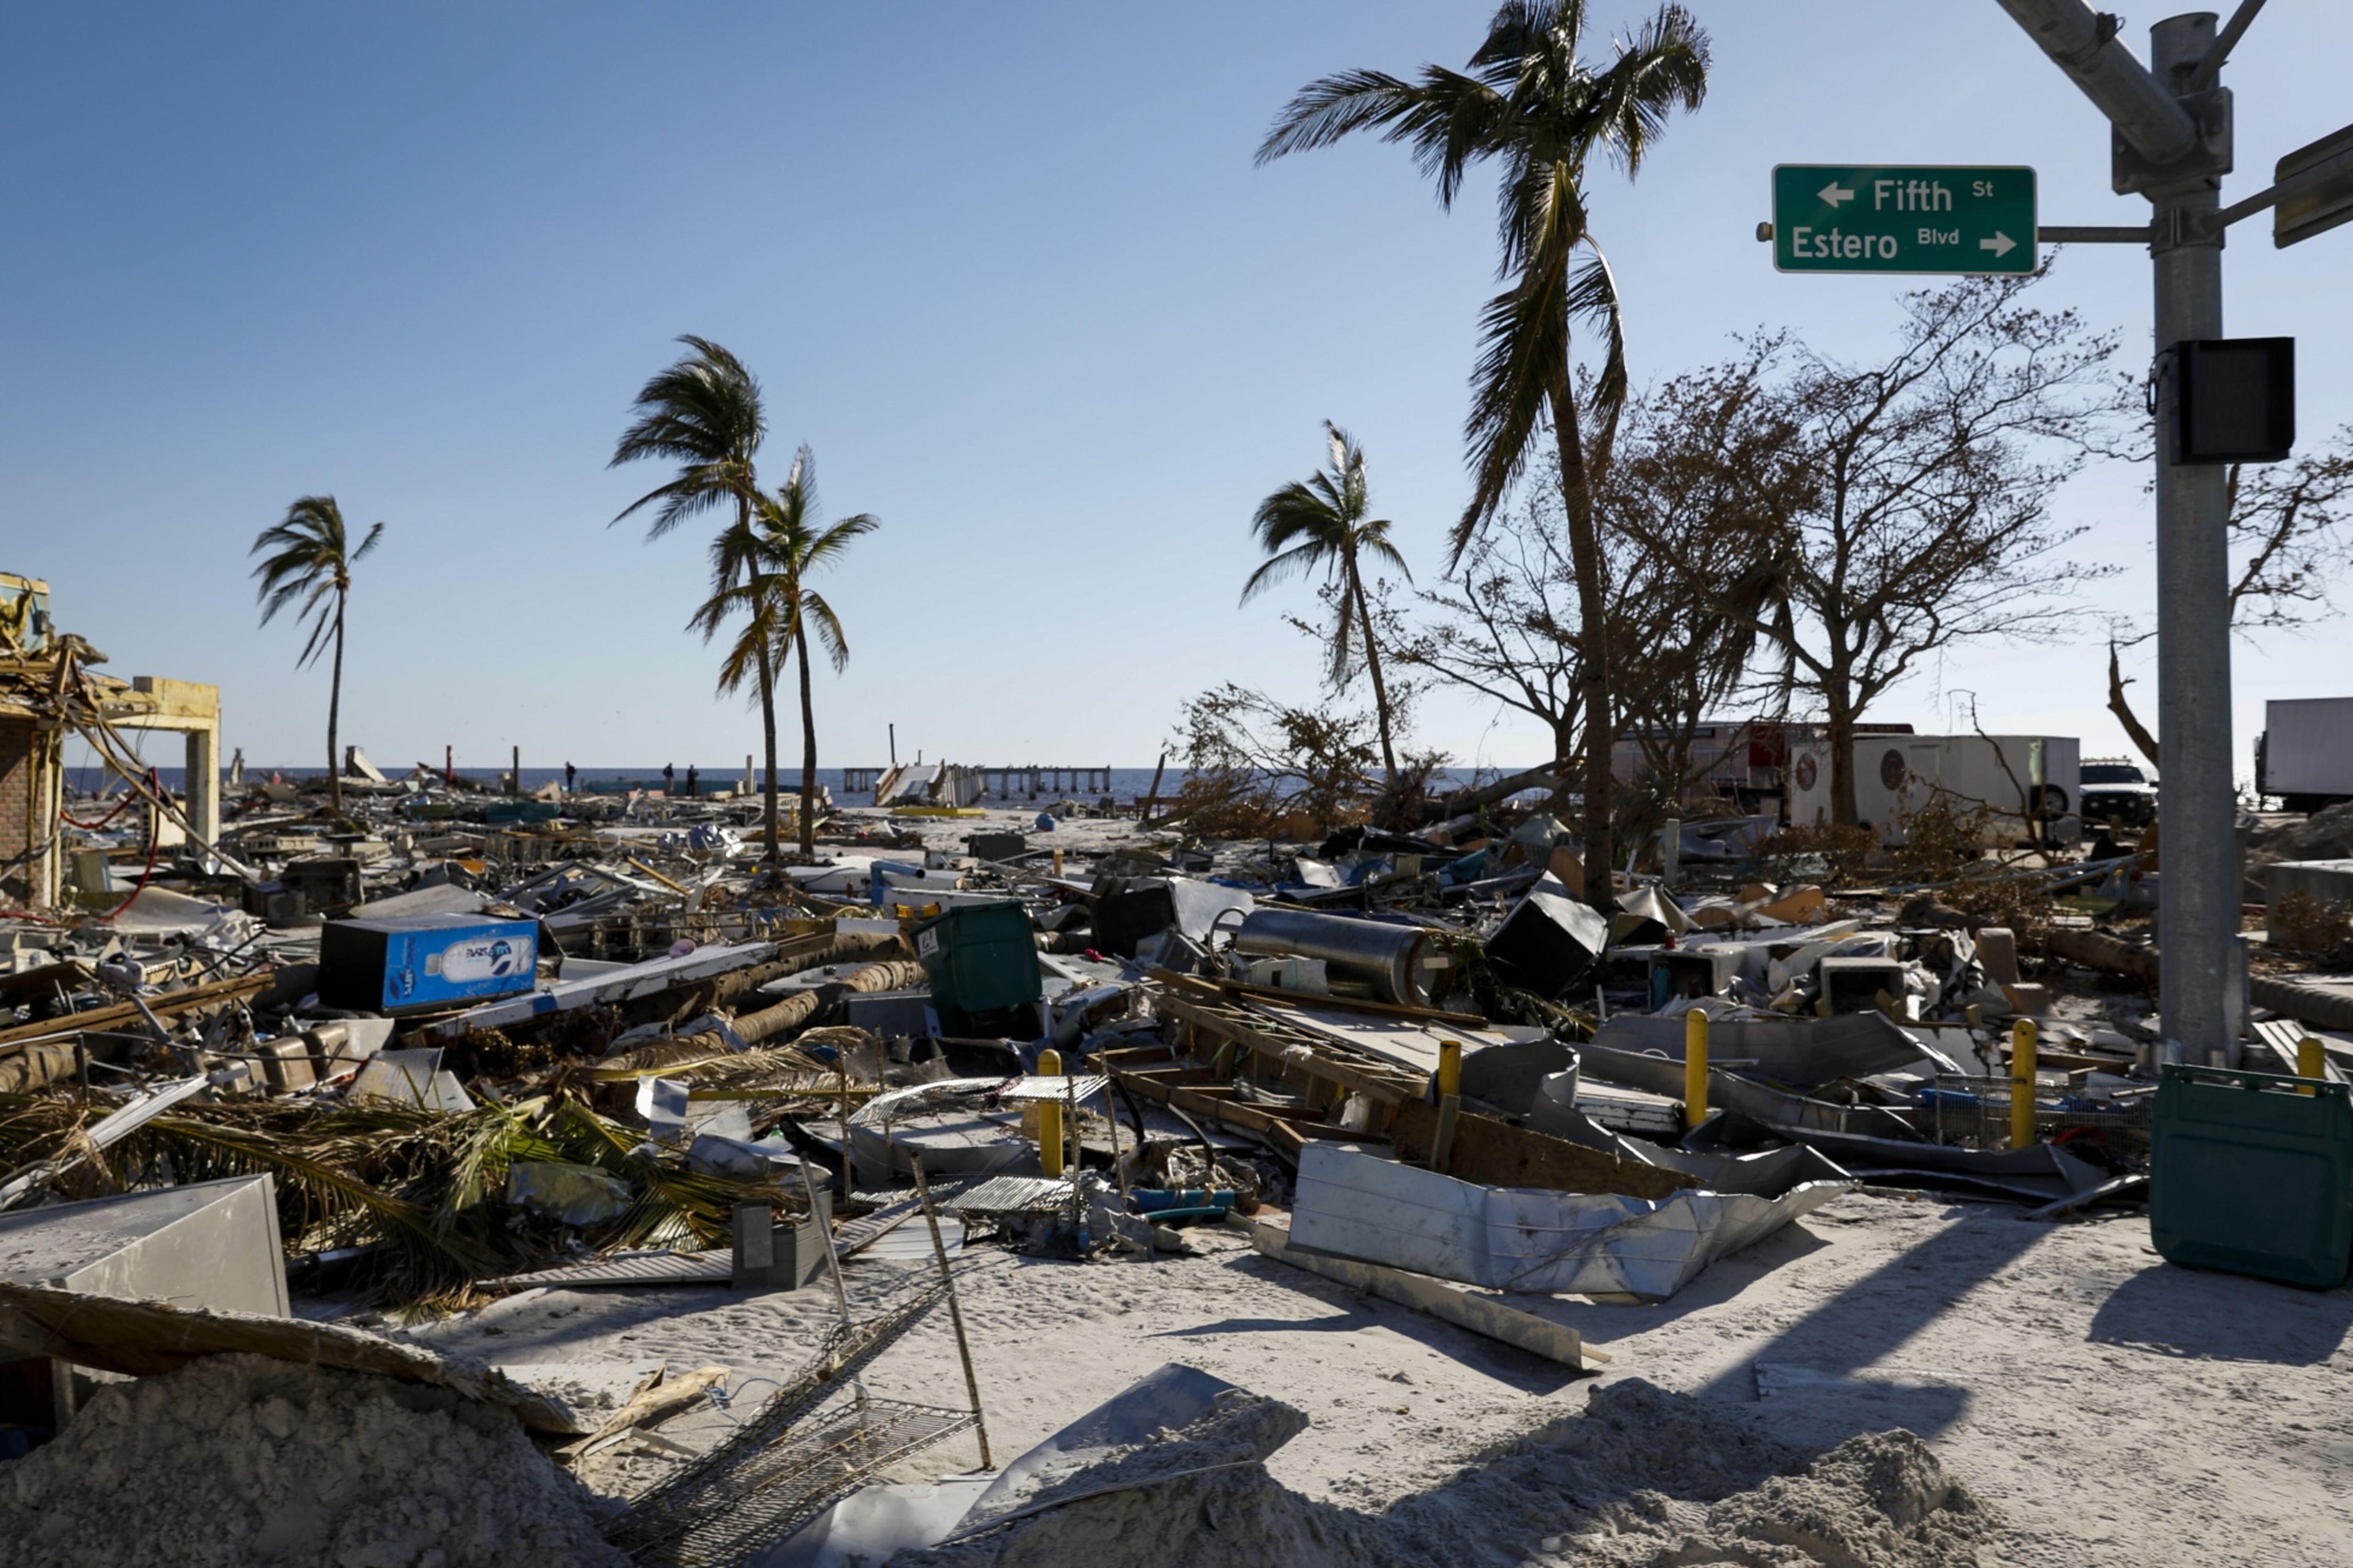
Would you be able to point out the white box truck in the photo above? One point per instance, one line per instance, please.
(2030, 783)
(2305, 755)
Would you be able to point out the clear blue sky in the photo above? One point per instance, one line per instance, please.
(1007, 267)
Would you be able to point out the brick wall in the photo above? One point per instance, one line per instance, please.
(20, 883)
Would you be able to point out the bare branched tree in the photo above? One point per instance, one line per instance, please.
(1682, 660)
(1250, 755)
(1504, 625)
(2291, 536)
(1860, 519)
(1507, 626)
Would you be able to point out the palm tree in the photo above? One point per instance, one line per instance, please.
(1529, 104)
(704, 414)
(310, 559)
(766, 569)
(1322, 522)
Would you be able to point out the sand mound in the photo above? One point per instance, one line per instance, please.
(2324, 835)
(241, 1461)
(1880, 1500)
(1644, 1478)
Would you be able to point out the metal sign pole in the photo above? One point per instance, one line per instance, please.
(2172, 143)
(2198, 889)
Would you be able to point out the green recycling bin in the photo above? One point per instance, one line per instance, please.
(2252, 1173)
(982, 960)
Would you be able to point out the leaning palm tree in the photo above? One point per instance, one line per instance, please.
(704, 414)
(308, 560)
(1322, 522)
(1528, 103)
(771, 563)
(743, 587)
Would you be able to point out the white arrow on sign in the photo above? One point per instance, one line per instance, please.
(1835, 192)
(2000, 244)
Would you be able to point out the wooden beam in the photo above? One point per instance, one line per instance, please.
(1134, 1057)
(124, 1016)
(1388, 1086)
(1489, 1314)
(1306, 999)
(1212, 990)
(1281, 1127)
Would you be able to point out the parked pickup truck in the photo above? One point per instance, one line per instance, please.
(2115, 792)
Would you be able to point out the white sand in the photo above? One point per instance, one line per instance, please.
(1640, 1478)
(2110, 1407)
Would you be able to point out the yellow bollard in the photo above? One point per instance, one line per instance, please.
(1058, 860)
(1050, 1118)
(2311, 1061)
(1450, 1103)
(1694, 1068)
(2021, 1084)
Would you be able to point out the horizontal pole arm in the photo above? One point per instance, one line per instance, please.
(2143, 112)
(2094, 234)
(2271, 195)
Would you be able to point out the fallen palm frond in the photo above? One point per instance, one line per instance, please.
(338, 1206)
(707, 1062)
(837, 1038)
(674, 1205)
(423, 1193)
(499, 1137)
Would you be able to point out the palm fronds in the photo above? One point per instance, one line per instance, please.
(305, 563)
(337, 1206)
(309, 563)
(1323, 522)
(1533, 106)
(673, 1205)
(711, 1066)
(422, 1192)
(704, 413)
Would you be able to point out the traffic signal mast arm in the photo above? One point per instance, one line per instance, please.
(2085, 46)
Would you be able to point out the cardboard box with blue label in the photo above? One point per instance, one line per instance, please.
(405, 964)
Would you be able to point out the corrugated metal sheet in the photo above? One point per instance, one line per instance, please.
(631, 1269)
(913, 1243)
(857, 1235)
(1008, 1194)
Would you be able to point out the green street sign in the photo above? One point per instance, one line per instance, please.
(1831, 217)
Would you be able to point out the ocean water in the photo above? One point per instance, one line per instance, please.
(1127, 783)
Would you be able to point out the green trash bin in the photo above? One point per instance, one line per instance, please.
(2252, 1173)
(982, 960)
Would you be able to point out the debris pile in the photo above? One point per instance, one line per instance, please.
(483, 1041)
(475, 1033)
(248, 1460)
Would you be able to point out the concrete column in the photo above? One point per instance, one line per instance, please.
(202, 758)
